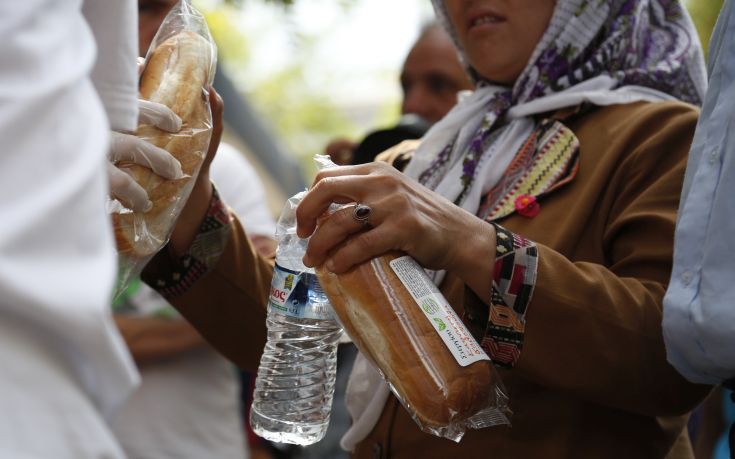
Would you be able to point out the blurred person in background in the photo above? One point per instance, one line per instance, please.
(151, 14)
(432, 75)
(431, 78)
(188, 403)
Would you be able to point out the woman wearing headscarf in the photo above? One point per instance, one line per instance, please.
(576, 144)
(545, 202)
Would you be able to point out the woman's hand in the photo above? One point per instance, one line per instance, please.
(187, 225)
(405, 216)
(217, 107)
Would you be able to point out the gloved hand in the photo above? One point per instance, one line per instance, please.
(128, 147)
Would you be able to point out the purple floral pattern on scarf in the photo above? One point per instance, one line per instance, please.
(497, 107)
(649, 43)
(642, 42)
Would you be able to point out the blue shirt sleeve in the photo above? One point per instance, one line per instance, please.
(699, 307)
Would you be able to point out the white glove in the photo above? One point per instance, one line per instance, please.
(128, 147)
(158, 115)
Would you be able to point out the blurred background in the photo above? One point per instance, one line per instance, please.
(297, 73)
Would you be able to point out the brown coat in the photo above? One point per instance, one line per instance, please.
(592, 379)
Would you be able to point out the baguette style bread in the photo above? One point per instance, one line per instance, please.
(389, 327)
(177, 72)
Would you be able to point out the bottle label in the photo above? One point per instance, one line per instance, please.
(437, 310)
(298, 295)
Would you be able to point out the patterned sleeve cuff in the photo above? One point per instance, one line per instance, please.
(516, 265)
(203, 254)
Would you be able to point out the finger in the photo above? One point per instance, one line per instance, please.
(126, 147)
(217, 107)
(339, 189)
(360, 248)
(127, 191)
(338, 184)
(338, 171)
(331, 232)
(158, 115)
(216, 103)
(161, 161)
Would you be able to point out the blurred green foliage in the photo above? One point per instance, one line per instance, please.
(704, 13)
(304, 119)
(232, 43)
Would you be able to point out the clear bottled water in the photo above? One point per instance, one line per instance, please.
(295, 382)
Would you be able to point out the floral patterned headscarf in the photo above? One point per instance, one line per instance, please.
(649, 43)
(601, 52)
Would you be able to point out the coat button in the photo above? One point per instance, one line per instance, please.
(714, 155)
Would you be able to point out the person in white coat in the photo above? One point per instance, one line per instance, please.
(67, 77)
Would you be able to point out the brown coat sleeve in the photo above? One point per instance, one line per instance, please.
(594, 324)
(227, 306)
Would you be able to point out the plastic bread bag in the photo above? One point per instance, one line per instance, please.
(179, 68)
(405, 327)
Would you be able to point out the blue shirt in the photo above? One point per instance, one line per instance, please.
(699, 307)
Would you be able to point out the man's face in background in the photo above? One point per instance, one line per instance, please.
(431, 76)
(150, 16)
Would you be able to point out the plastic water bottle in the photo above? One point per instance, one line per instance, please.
(295, 382)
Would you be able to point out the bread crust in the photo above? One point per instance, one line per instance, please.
(389, 328)
(176, 74)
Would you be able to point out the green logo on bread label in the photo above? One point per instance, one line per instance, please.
(440, 323)
(430, 306)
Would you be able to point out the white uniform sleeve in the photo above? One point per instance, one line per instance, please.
(57, 257)
(115, 74)
(699, 307)
(242, 190)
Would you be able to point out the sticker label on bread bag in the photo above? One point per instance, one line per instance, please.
(298, 295)
(437, 310)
